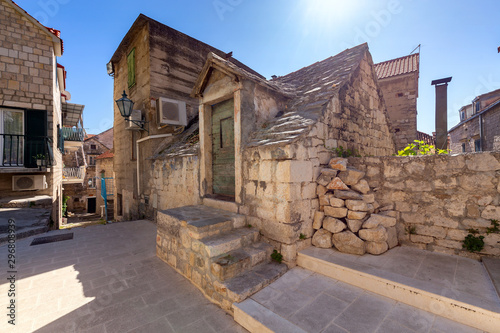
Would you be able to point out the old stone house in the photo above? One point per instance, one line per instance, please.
(35, 116)
(80, 174)
(479, 126)
(398, 80)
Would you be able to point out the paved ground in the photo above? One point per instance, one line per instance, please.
(317, 303)
(28, 221)
(106, 279)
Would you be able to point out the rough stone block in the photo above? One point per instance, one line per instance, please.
(322, 238)
(347, 242)
(458, 235)
(413, 218)
(318, 220)
(289, 251)
(421, 239)
(329, 172)
(441, 221)
(368, 198)
(286, 233)
(354, 225)
(309, 191)
(324, 180)
(333, 225)
(351, 176)
(337, 184)
(482, 162)
(376, 248)
(449, 243)
(437, 232)
(392, 237)
(335, 202)
(362, 186)
(335, 211)
(354, 215)
(338, 163)
(321, 190)
(378, 234)
(491, 212)
(347, 195)
(357, 205)
(324, 200)
(492, 240)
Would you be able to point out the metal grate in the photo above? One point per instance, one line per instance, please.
(51, 239)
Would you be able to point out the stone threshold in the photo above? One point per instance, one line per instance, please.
(465, 308)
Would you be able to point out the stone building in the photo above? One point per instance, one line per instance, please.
(80, 176)
(398, 80)
(35, 116)
(155, 65)
(479, 127)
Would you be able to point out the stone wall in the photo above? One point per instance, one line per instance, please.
(438, 198)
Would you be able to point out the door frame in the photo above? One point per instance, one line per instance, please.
(205, 118)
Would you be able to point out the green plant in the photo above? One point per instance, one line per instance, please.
(32, 203)
(411, 230)
(472, 231)
(473, 243)
(65, 206)
(302, 236)
(421, 148)
(494, 227)
(249, 225)
(39, 157)
(345, 153)
(276, 256)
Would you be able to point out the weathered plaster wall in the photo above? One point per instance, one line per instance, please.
(400, 95)
(440, 196)
(357, 119)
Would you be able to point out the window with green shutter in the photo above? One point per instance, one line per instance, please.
(131, 68)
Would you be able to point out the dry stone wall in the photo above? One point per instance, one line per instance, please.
(349, 218)
(437, 199)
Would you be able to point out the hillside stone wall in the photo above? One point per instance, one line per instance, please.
(435, 201)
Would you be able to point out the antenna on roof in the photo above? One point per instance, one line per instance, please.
(418, 47)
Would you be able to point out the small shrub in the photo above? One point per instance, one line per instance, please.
(473, 243)
(276, 256)
(494, 227)
(345, 153)
(302, 236)
(472, 231)
(249, 225)
(421, 148)
(411, 230)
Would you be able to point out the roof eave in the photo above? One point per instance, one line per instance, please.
(138, 23)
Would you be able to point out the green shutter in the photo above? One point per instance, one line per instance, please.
(131, 68)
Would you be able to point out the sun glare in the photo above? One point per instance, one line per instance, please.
(329, 13)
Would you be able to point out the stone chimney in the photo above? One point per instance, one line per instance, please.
(441, 112)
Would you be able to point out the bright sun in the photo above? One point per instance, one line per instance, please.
(329, 13)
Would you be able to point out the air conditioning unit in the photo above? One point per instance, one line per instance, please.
(171, 112)
(29, 182)
(136, 115)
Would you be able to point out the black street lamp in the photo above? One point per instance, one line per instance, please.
(125, 105)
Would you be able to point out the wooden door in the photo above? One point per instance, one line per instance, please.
(223, 148)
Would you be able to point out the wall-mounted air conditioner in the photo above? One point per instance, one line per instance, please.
(171, 112)
(29, 182)
(136, 115)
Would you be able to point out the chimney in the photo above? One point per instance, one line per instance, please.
(441, 112)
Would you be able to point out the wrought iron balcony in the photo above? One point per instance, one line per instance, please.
(73, 175)
(25, 151)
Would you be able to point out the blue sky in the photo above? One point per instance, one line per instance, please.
(459, 39)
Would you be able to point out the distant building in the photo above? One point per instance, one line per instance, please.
(479, 127)
(398, 79)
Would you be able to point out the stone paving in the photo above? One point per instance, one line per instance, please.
(106, 279)
(316, 303)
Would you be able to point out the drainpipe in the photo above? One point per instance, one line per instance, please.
(159, 136)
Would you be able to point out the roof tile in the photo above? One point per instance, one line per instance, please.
(399, 66)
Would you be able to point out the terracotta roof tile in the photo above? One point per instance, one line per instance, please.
(398, 66)
(108, 154)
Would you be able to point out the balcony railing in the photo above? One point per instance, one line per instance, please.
(24, 150)
(73, 134)
(74, 175)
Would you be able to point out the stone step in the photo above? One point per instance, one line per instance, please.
(221, 204)
(37, 201)
(228, 241)
(200, 221)
(442, 299)
(492, 266)
(235, 262)
(248, 283)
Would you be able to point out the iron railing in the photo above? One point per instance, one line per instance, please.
(74, 173)
(24, 150)
(73, 134)
(106, 191)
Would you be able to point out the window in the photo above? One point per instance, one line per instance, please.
(12, 137)
(462, 115)
(93, 147)
(131, 68)
(92, 182)
(477, 145)
(92, 160)
(478, 106)
(463, 147)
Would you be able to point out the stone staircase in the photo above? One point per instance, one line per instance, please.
(217, 251)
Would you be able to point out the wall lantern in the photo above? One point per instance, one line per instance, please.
(125, 105)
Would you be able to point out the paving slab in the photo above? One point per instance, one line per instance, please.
(323, 304)
(106, 279)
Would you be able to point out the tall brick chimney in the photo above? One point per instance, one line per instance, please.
(441, 112)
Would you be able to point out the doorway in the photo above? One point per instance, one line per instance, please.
(91, 205)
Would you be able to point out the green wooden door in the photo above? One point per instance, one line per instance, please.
(223, 148)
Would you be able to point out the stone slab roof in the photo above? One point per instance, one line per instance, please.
(185, 144)
(399, 66)
(313, 87)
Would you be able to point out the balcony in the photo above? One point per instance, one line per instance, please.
(24, 153)
(73, 175)
(72, 136)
